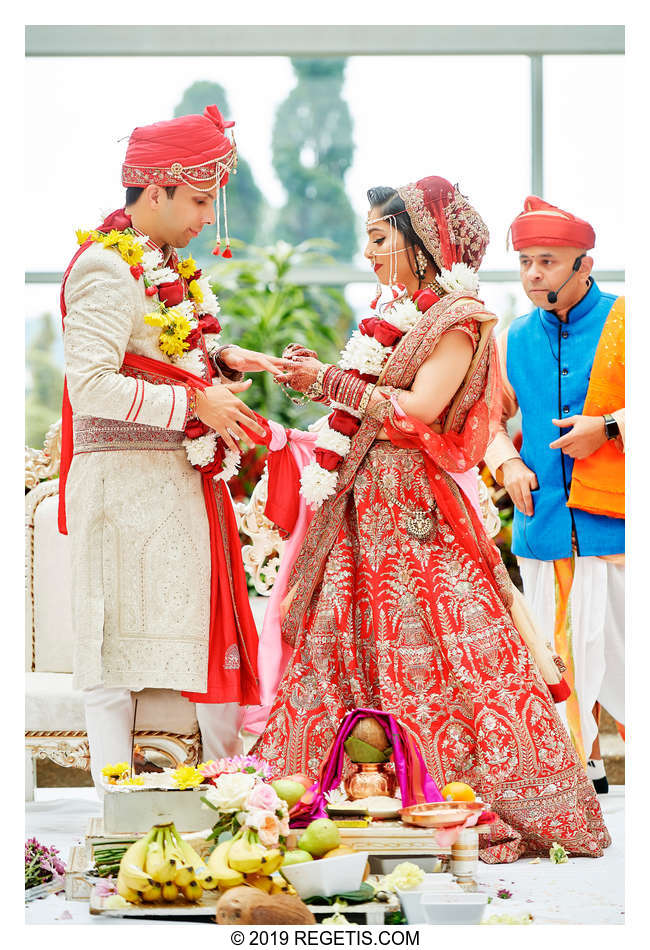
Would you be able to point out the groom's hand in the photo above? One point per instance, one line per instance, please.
(250, 361)
(219, 408)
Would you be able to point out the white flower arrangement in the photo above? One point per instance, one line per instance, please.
(161, 275)
(231, 462)
(404, 315)
(459, 277)
(188, 310)
(192, 361)
(212, 342)
(333, 441)
(317, 484)
(209, 304)
(201, 451)
(230, 790)
(364, 354)
(151, 260)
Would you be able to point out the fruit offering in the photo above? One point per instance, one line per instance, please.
(458, 792)
(319, 837)
(243, 860)
(162, 866)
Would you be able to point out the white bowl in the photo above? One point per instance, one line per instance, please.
(326, 877)
(438, 885)
(453, 908)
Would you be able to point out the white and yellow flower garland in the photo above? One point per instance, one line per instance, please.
(176, 322)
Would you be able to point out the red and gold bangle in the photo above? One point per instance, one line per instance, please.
(365, 398)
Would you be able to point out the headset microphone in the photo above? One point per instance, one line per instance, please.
(552, 295)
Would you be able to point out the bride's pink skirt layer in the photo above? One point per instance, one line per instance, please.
(414, 628)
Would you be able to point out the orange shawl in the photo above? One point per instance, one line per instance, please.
(598, 481)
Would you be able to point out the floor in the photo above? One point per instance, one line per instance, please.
(583, 891)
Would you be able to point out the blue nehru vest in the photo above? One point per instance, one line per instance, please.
(548, 365)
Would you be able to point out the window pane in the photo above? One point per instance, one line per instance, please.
(583, 146)
(404, 131)
(83, 109)
(43, 361)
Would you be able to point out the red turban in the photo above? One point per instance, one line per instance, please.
(543, 225)
(191, 150)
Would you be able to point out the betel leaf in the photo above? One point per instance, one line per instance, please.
(360, 751)
(365, 893)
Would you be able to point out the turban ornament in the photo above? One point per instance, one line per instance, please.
(192, 150)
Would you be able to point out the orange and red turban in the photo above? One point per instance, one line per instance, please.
(190, 150)
(541, 224)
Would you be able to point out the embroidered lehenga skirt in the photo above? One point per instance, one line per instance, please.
(404, 621)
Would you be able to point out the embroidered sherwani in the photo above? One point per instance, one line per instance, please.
(136, 514)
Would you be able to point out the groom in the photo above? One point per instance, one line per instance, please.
(150, 416)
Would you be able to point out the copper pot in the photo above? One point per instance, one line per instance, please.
(370, 778)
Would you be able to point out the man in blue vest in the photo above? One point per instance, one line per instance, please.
(571, 559)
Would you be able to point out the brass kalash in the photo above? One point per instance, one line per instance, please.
(368, 748)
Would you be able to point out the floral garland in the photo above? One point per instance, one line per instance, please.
(189, 330)
(365, 355)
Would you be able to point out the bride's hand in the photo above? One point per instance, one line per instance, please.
(301, 375)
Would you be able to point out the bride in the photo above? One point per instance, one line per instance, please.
(398, 600)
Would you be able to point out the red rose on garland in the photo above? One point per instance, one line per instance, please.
(425, 298)
(327, 459)
(172, 293)
(343, 422)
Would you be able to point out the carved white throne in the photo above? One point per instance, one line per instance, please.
(54, 713)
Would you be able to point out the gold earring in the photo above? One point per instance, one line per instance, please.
(421, 262)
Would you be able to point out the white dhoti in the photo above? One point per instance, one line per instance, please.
(109, 724)
(594, 632)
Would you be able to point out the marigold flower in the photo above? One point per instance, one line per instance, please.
(195, 291)
(187, 267)
(114, 772)
(111, 239)
(186, 776)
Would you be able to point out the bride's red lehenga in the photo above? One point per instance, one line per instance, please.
(421, 627)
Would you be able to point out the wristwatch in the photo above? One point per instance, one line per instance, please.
(611, 427)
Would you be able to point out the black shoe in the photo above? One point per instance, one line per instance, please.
(596, 772)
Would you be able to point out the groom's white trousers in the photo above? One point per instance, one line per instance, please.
(109, 721)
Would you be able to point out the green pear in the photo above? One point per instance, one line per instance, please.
(319, 837)
(288, 791)
(298, 856)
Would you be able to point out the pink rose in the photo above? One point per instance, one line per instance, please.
(284, 827)
(263, 797)
(268, 827)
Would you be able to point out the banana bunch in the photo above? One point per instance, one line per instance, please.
(243, 860)
(162, 866)
(273, 884)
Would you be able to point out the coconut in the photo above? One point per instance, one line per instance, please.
(370, 731)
